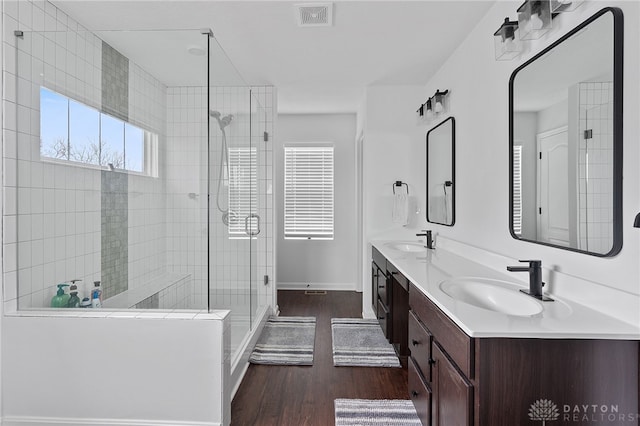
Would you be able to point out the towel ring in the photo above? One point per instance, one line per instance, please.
(399, 183)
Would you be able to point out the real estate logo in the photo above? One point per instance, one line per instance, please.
(544, 410)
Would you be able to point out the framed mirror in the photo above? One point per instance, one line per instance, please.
(441, 191)
(565, 135)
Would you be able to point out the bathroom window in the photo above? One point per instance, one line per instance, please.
(74, 132)
(308, 191)
(517, 189)
(242, 189)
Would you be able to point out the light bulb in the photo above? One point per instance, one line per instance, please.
(438, 107)
(535, 22)
(508, 45)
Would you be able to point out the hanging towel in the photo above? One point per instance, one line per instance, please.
(400, 212)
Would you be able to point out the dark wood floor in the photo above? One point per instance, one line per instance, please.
(282, 396)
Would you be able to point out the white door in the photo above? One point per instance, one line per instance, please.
(553, 187)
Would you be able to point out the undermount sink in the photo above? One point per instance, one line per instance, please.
(408, 247)
(492, 295)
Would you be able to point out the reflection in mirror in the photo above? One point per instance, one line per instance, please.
(566, 150)
(441, 173)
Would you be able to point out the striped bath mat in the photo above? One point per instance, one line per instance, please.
(375, 412)
(360, 342)
(286, 341)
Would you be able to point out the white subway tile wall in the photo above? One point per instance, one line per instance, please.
(595, 166)
(52, 210)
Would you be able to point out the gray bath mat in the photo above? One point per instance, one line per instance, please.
(375, 412)
(360, 342)
(286, 341)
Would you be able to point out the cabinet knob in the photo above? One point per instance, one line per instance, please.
(432, 361)
(415, 342)
(414, 393)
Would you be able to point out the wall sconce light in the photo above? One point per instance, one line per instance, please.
(559, 6)
(636, 221)
(507, 41)
(436, 105)
(440, 101)
(534, 19)
(426, 110)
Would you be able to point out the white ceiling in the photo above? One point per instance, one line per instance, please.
(317, 69)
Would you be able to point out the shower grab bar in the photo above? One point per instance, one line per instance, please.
(246, 224)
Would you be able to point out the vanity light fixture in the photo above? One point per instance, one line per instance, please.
(507, 41)
(534, 19)
(426, 110)
(559, 6)
(428, 106)
(440, 101)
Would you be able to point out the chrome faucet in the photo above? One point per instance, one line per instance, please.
(429, 236)
(535, 278)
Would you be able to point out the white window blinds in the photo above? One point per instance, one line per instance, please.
(242, 189)
(517, 189)
(308, 192)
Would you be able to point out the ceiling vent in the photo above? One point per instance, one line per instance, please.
(314, 14)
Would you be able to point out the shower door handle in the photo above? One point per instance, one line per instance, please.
(246, 224)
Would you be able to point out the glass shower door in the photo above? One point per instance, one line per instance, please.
(233, 204)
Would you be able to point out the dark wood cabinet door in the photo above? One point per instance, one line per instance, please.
(452, 393)
(420, 393)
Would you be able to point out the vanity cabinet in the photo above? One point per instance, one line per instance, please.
(380, 294)
(390, 302)
(456, 380)
(441, 361)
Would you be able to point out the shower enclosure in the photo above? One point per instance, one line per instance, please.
(137, 159)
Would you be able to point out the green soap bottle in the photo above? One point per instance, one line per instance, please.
(60, 300)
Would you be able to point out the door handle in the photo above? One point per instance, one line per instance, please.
(246, 224)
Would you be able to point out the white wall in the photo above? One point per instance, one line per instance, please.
(320, 263)
(479, 102)
(115, 370)
(390, 134)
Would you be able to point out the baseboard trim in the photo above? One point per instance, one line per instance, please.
(318, 286)
(57, 421)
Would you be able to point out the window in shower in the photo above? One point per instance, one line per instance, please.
(75, 132)
(242, 189)
(308, 192)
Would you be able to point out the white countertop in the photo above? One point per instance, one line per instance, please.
(562, 318)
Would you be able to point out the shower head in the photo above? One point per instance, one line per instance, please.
(226, 120)
(222, 122)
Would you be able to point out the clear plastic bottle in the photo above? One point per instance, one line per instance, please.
(96, 295)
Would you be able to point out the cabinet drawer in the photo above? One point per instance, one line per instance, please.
(396, 275)
(420, 394)
(382, 285)
(378, 259)
(384, 318)
(453, 340)
(420, 346)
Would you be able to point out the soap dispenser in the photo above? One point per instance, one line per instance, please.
(74, 300)
(60, 300)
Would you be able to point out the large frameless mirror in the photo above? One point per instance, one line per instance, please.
(441, 173)
(566, 140)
